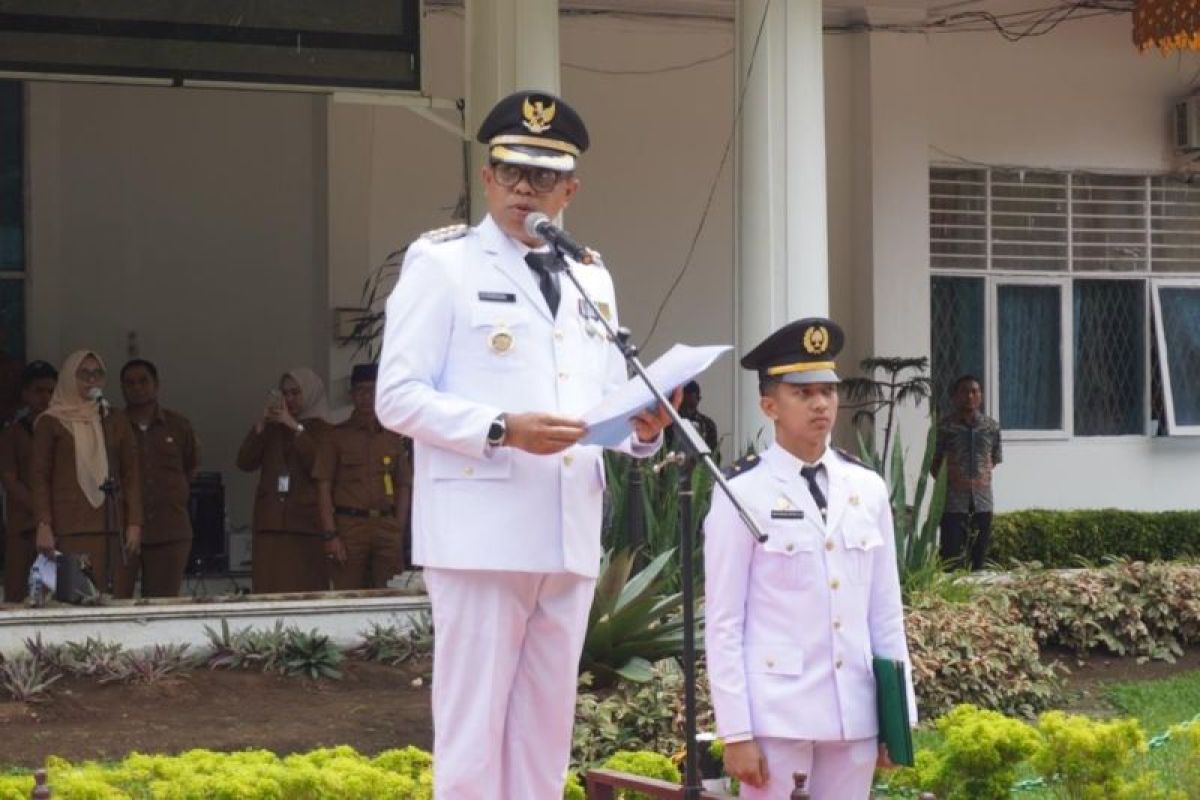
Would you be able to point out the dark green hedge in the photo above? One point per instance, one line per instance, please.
(1064, 538)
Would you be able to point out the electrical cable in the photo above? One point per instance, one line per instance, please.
(712, 189)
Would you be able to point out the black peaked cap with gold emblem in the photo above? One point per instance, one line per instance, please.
(800, 352)
(536, 129)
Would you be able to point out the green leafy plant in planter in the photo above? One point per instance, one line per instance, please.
(634, 620)
(889, 383)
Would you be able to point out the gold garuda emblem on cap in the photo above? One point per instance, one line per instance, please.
(538, 115)
(816, 340)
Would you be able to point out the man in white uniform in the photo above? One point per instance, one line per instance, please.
(792, 623)
(488, 360)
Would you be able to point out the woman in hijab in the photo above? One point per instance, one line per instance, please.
(286, 551)
(79, 443)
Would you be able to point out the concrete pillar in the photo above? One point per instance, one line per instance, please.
(510, 45)
(896, 128)
(780, 231)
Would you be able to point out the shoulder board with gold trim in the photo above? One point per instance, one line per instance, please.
(846, 456)
(446, 234)
(743, 464)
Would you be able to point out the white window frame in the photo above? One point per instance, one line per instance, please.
(1066, 363)
(1164, 361)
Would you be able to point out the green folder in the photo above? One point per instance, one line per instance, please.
(891, 703)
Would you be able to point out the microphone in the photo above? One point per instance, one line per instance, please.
(539, 225)
(97, 394)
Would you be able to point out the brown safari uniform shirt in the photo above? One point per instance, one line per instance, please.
(169, 455)
(287, 552)
(80, 529)
(16, 459)
(371, 479)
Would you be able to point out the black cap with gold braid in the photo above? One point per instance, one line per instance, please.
(534, 128)
(800, 352)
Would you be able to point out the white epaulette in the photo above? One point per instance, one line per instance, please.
(446, 234)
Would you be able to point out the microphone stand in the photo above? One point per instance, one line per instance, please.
(695, 451)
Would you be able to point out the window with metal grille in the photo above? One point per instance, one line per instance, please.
(1110, 357)
(1056, 271)
(957, 333)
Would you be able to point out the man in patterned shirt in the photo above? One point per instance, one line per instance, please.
(968, 441)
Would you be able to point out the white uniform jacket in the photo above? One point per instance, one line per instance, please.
(792, 624)
(468, 336)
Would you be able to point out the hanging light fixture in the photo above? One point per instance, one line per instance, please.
(1168, 25)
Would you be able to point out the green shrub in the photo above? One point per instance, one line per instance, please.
(1069, 538)
(1129, 608)
(977, 759)
(635, 716)
(976, 653)
(1086, 758)
(645, 764)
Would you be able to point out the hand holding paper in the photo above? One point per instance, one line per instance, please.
(611, 421)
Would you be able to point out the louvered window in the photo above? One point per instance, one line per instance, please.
(1043, 281)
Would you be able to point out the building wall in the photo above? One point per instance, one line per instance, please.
(1078, 98)
(221, 227)
(186, 227)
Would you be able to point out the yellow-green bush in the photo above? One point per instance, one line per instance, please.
(646, 764)
(336, 773)
(978, 758)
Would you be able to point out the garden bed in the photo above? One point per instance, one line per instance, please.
(373, 708)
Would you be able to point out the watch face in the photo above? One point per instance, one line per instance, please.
(496, 432)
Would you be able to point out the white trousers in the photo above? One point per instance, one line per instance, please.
(835, 770)
(505, 663)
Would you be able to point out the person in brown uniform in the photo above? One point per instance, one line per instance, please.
(16, 460)
(286, 546)
(79, 444)
(365, 485)
(169, 455)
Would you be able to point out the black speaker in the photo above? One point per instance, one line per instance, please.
(210, 544)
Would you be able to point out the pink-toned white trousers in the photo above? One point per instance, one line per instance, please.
(505, 664)
(835, 770)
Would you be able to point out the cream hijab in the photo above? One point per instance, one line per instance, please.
(312, 393)
(82, 418)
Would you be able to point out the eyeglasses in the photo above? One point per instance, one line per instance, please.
(89, 374)
(540, 179)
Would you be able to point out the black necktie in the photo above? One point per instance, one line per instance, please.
(810, 475)
(545, 266)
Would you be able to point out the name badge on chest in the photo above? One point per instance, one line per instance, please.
(787, 513)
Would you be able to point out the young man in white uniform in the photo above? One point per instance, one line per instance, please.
(489, 358)
(792, 623)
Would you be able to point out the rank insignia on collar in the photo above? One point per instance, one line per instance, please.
(855, 500)
(782, 503)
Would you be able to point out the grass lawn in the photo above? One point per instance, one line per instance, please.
(1158, 705)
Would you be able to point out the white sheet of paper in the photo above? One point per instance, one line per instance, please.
(610, 421)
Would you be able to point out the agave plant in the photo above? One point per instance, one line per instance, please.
(26, 678)
(635, 621)
(150, 665)
(916, 536)
(394, 645)
(247, 648)
(311, 654)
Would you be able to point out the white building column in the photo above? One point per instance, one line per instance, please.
(510, 45)
(780, 230)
